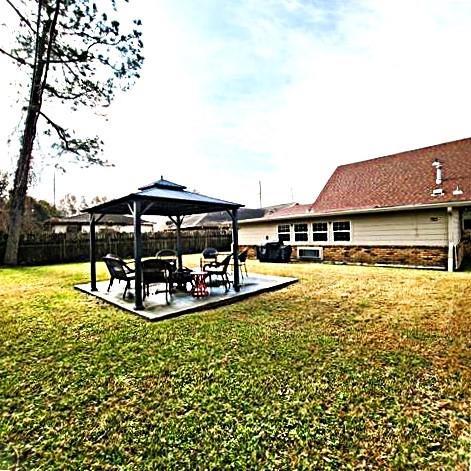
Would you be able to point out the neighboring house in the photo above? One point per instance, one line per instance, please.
(406, 209)
(81, 223)
(221, 219)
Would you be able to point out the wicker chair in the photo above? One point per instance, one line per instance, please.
(219, 269)
(242, 262)
(157, 272)
(208, 255)
(119, 270)
(168, 255)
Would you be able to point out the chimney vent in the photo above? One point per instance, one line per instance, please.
(438, 166)
(457, 191)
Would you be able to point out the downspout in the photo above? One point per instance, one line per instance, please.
(451, 239)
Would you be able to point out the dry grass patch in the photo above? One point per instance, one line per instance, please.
(352, 367)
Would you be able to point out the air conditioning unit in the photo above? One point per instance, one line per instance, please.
(310, 253)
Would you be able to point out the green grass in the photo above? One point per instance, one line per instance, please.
(352, 367)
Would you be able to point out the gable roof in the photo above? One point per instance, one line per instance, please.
(295, 209)
(403, 179)
(221, 218)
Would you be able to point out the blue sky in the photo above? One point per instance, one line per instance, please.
(282, 91)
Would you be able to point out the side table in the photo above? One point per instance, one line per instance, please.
(200, 288)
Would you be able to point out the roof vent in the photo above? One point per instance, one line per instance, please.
(457, 191)
(163, 185)
(438, 192)
(438, 166)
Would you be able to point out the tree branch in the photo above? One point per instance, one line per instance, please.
(23, 18)
(17, 59)
(71, 96)
(61, 132)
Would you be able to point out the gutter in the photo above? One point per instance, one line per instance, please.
(389, 209)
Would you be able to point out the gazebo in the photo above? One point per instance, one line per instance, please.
(160, 198)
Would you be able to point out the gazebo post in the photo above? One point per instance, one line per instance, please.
(178, 221)
(235, 249)
(92, 253)
(137, 256)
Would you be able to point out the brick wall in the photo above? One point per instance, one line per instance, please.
(387, 255)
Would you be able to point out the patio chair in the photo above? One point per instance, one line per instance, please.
(208, 255)
(168, 255)
(219, 269)
(242, 262)
(156, 271)
(119, 270)
(179, 277)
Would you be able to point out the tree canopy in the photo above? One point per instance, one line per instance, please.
(75, 53)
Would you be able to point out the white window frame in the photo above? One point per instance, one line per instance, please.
(284, 232)
(301, 232)
(349, 231)
(326, 232)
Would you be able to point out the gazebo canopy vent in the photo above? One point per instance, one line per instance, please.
(160, 198)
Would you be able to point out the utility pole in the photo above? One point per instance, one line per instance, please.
(260, 192)
(54, 188)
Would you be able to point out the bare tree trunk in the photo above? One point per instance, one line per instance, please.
(20, 186)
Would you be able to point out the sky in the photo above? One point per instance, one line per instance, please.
(277, 91)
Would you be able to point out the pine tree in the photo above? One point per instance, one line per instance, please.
(74, 52)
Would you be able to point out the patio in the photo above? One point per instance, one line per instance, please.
(165, 198)
(156, 308)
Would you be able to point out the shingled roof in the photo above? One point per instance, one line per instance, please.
(403, 179)
(291, 210)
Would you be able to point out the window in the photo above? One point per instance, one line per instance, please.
(467, 220)
(341, 230)
(283, 232)
(300, 232)
(319, 231)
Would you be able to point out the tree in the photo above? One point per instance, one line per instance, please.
(73, 52)
(36, 213)
(4, 184)
(69, 205)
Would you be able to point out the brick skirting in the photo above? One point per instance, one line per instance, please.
(384, 255)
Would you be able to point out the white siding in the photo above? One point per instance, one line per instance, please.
(255, 234)
(59, 229)
(405, 228)
(427, 228)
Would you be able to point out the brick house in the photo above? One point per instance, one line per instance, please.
(408, 209)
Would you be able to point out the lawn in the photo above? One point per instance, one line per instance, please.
(352, 367)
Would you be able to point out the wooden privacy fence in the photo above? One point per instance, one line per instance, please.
(44, 248)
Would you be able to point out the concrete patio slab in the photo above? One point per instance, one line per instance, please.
(156, 307)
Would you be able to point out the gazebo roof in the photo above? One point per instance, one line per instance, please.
(164, 198)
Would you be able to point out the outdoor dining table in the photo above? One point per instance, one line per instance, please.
(200, 288)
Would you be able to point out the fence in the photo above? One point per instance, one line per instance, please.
(45, 248)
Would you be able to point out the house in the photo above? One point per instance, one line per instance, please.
(222, 220)
(81, 223)
(408, 209)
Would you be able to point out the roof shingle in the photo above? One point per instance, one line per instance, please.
(403, 179)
